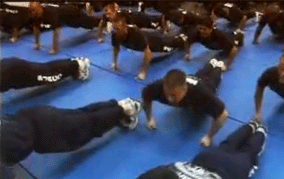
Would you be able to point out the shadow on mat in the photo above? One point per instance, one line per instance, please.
(79, 40)
(75, 158)
(38, 95)
(275, 122)
(186, 120)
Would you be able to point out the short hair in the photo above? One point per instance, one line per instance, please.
(206, 21)
(175, 78)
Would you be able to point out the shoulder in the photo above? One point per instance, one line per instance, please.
(267, 76)
(153, 89)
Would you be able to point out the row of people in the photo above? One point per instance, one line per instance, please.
(194, 28)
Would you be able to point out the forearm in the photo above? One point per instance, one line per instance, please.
(147, 106)
(218, 123)
(187, 51)
(101, 27)
(258, 100)
(243, 22)
(231, 56)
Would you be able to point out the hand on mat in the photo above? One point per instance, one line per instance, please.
(206, 141)
(114, 66)
(255, 42)
(141, 76)
(100, 40)
(187, 57)
(151, 124)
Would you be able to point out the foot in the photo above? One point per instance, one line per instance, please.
(13, 39)
(53, 51)
(131, 108)
(206, 141)
(37, 47)
(151, 124)
(262, 129)
(114, 67)
(254, 124)
(187, 58)
(141, 76)
(84, 65)
(218, 64)
(100, 40)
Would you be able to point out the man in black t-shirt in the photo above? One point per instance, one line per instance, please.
(54, 16)
(14, 19)
(131, 37)
(197, 92)
(212, 38)
(274, 79)
(274, 17)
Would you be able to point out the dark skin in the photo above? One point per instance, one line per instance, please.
(121, 29)
(175, 95)
(258, 97)
(37, 12)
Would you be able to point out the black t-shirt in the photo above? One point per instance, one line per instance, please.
(218, 40)
(183, 18)
(275, 22)
(137, 39)
(198, 97)
(141, 19)
(270, 78)
(229, 11)
(54, 17)
(14, 17)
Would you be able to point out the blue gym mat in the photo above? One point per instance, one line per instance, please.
(124, 154)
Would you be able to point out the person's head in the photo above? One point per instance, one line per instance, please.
(217, 11)
(36, 9)
(111, 11)
(175, 86)
(119, 25)
(281, 69)
(205, 27)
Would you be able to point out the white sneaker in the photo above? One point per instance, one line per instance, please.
(84, 65)
(131, 108)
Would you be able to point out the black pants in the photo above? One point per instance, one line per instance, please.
(46, 129)
(233, 159)
(210, 76)
(18, 73)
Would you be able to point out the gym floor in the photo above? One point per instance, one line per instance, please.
(126, 154)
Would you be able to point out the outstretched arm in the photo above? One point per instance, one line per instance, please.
(216, 125)
(258, 98)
